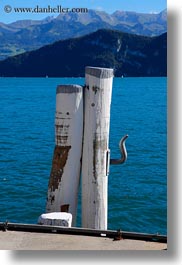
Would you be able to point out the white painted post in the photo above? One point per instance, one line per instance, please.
(66, 164)
(95, 158)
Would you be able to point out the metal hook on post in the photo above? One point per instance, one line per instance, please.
(123, 152)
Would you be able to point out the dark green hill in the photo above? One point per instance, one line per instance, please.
(128, 54)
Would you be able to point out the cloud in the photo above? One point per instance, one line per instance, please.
(99, 8)
(153, 12)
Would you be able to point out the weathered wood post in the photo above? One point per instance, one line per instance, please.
(66, 164)
(96, 158)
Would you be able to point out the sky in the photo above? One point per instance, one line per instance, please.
(144, 6)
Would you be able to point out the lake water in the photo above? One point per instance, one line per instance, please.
(137, 196)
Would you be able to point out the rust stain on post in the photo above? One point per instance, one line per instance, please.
(98, 144)
(65, 208)
(58, 164)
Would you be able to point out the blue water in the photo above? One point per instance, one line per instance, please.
(137, 197)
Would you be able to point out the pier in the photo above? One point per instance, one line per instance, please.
(82, 121)
(36, 237)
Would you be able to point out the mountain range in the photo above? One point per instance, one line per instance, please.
(128, 54)
(26, 35)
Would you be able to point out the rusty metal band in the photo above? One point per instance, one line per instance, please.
(99, 72)
(69, 89)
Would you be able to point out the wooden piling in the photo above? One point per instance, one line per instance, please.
(66, 164)
(96, 159)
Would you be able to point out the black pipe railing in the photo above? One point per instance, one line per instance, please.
(115, 234)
